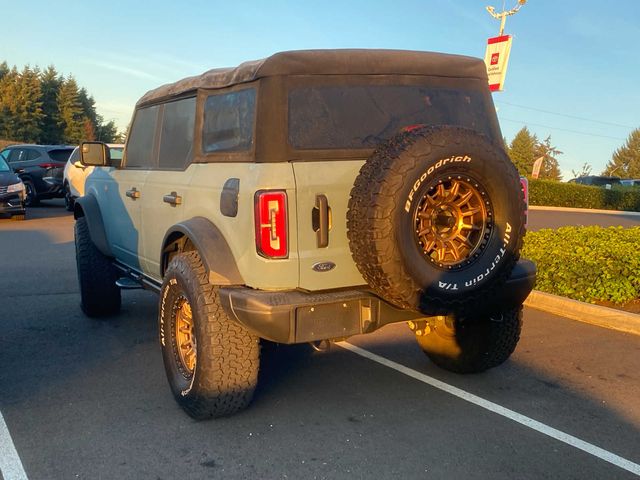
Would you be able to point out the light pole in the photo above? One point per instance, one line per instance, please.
(503, 16)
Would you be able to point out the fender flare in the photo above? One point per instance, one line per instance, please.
(88, 207)
(213, 248)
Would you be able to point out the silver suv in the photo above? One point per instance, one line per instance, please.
(308, 197)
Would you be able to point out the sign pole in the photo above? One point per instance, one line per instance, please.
(503, 16)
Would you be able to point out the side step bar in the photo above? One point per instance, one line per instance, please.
(126, 283)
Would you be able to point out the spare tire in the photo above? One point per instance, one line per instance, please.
(436, 219)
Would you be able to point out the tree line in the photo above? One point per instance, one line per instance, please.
(43, 106)
(526, 148)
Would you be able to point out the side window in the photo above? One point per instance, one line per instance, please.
(176, 142)
(32, 154)
(228, 121)
(5, 154)
(75, 156)
(140, 146)
(16, 155)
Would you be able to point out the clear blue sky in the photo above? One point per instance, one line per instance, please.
(574, 71)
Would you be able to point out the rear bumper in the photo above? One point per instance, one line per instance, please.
(298, 317)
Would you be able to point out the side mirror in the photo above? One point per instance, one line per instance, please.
(94, 154)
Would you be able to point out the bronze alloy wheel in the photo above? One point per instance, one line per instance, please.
(185, 336)
(453, 222)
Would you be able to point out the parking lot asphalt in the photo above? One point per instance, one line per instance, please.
(85, 398)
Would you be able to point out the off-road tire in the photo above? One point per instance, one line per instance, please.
(99, 294)
(227, 355)
(472, 345)
(31, 198)
(382, 212)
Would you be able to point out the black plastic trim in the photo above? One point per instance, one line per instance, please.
(212, 246)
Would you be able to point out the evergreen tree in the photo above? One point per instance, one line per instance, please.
(21, 105)
(6, 119)
(108, 132)
(50, 82)
(522, 151)
(89, 111)
(72, 118)
(550, 166)
(625, 161)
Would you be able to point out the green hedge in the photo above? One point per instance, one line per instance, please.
(587, 263)
(559, 194)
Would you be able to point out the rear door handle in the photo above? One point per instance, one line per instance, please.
(133, 193)
(321, 220)
(172, 199)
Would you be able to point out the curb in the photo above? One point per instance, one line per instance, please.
(585, 312)
(625, 213)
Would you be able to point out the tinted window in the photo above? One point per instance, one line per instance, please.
(60, 154)
(326, 117)
(228, 121)
(16, 155)
(176, 142)
(140, 146)
(32, 154)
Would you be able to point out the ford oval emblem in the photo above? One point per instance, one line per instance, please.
(323, 266)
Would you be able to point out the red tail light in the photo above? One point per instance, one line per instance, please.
(50, 165)
(271, 223)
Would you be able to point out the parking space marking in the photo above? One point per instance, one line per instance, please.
(500, 410)
(10, 465)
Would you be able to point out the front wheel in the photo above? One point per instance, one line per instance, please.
(31, 197)
(465, 344)
(69, 200)
(211, 361)
(99, 294)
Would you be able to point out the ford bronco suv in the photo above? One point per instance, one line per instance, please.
(308, 197)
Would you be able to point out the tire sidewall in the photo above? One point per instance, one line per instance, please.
(175, 285)
(472, 158)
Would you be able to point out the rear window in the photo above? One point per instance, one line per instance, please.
(60, 154)
(362, 116)
(228, 121)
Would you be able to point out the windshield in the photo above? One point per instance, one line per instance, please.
(362, 116)
(4, 167)
(115, 153)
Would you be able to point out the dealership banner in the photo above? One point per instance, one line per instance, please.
(496, 58)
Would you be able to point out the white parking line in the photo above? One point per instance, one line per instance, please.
(10, 465)
(495, 408)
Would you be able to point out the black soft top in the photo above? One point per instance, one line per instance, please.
(327, 62)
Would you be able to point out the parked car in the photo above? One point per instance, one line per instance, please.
(630, 182)
(12, 192)
(309, 197)
(597, 181)
(40, 167)
(75, 173)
